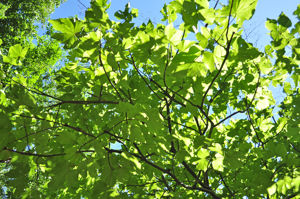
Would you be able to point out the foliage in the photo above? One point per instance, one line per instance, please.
(18, 18)
(24, 50)
(143, 112)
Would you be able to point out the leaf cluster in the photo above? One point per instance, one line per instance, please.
(143, 112)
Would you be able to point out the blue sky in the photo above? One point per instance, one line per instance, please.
(150, 9)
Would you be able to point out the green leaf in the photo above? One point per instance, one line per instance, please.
(203, 41)
(208, 59)
(202, 164)
(136, 134)
(209, 15)
(203, 153)
(262, 103)
(69, 29)
(217, 148)
(284, 20)
(203, 3)
(5, 123)
(181, 155)
(134, 160)
(185, 45)
(174, 36)
(17, 51)
(271, 24)
(266, 66)
(217, 163)
(243, 9)
(219, 52)
(125, 107)
(3, 9)
(272, 189)
(297, 12)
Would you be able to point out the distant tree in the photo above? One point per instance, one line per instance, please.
(19, 24)
(18, 18)
(24, 53)
(143, 112)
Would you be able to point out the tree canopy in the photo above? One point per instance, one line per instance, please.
(144, 111)
(18, 18)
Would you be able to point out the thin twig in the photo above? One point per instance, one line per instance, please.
(229, 19)
(85, 102)
(219, 71)
(148, 85)
(106, 74)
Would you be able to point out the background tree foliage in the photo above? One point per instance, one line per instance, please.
(19, 37)
(19, 30)
(18, 18)
(143, 112)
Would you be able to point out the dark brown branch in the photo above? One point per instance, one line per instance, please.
(274, 120)
(219, 71)
(166, 93)
(172, 150)
(168, 116)
(198, 125)
(79, 130)
(101, 63)
(198, 177)
(168, 172)
(36, 132)
(188, 168)
(165, 69)
(115, 136)
(227, 29)
(195, 105)
(225, 184)
(139, 73)
(205, 178)
(159, 86)
(248, 106)
(113, 150)
(188, 127)
(229, 116)
(61, 124)
(166, 183)
(37, 91)
(82, 4)
(84, 102)
(34, 154)
(256, 133)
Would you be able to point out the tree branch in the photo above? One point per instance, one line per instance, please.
(139, 73)
(101, 63)
(219, 71)
(167, 171)
(84, 102)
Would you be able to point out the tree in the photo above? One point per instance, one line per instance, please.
(19, 37)
(18, 18)
(19, 30)
(143, 112)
